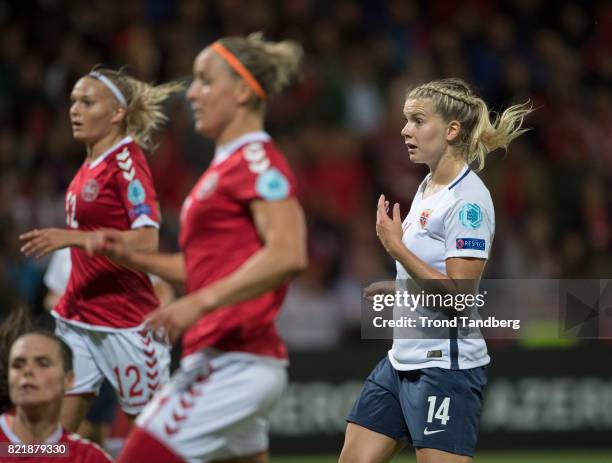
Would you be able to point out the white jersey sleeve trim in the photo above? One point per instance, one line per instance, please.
(470, 254)
(144, 221)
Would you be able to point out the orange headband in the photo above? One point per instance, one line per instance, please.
(240, 69)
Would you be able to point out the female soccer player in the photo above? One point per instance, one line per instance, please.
(428, 391)
(99, 418)
(39, 373)
(242, 237)
(17, 322)
(101, 314)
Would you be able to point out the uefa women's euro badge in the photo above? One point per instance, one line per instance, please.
(136, 193)
(470, 216)
(272, 185)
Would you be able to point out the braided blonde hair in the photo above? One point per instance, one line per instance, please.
(273, 64)
(144, 112)
(453, 99)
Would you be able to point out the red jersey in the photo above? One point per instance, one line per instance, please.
(114, 191)
(218, 235)
(79, 450)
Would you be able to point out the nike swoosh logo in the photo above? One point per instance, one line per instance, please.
(427, 433)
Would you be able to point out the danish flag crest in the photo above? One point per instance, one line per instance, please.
(90, 190)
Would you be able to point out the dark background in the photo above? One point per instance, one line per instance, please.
(339, 127)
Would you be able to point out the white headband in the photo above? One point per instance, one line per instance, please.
(112, 87)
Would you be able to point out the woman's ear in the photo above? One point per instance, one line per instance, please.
(243, 92)
(119, 114)
(69, 380)
(452, 130)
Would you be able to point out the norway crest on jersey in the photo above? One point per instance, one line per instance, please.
(207, 187)
(424, 218)
(90, 190)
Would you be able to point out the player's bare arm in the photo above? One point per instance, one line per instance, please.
(282, 228)
(118, 244)
(168, 266)
(118, 247)
(144, 239)
(42, 242)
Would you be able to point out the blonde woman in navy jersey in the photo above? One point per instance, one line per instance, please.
(428, 392)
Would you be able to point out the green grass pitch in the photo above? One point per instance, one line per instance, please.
(585, 456)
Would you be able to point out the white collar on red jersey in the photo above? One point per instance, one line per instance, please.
(8, 432)
(99, 159)
(224, 151)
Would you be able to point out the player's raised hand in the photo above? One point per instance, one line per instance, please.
(388, 229)
(42, 242)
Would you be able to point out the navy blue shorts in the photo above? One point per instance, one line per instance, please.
(429, 408)
(102, 409)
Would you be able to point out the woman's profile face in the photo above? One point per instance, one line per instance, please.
(93, 111)
(36, 371)
(425, 132)
(212, 94)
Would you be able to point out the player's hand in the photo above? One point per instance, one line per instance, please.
(109, 243)
(178, 316)
(388, 229)
(378, 287)
(42, 242)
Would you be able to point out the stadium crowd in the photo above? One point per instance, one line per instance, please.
(339, 126)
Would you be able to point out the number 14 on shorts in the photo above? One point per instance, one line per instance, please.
(441, 413)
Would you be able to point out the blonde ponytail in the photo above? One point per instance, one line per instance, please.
(454, 100)
(144, 112)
